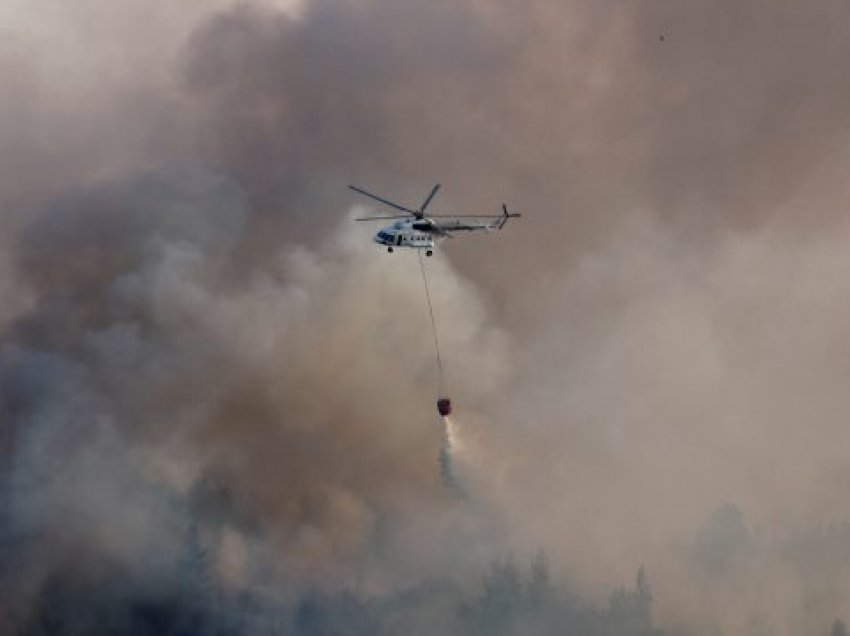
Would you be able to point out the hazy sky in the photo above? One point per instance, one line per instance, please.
(189, 312)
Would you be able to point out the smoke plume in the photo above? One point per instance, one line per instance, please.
(216, 394)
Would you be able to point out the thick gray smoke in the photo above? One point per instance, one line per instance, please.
(212, 384)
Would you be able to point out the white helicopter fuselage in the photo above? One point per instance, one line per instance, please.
(405, 234)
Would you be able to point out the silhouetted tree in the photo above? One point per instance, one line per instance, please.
(502, 598)
(723, 543)
(631, 610)
(540, 590)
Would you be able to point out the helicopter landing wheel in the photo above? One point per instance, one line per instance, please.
(390, 250)
(429, 253)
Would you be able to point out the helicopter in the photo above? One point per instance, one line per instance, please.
(418, 230)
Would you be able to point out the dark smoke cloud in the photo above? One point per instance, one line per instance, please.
(577, 114)
(200, 371)
(151, 386)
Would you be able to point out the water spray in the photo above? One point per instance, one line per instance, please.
(448, 452)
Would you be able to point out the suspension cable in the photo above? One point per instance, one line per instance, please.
(433, 323)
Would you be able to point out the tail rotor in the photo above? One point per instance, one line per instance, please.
(507, 215)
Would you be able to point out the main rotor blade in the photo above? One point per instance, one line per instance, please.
(384, 201)
(471, 216)
(428, 200)
(381, 218)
